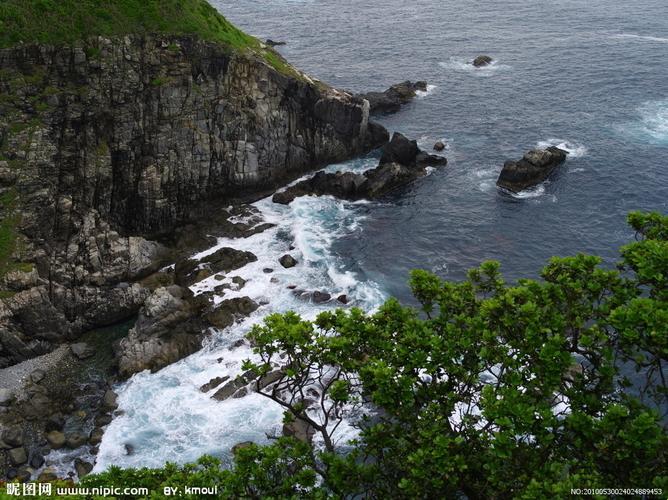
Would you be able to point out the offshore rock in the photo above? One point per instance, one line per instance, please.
(532, 169)
(402, 162)
(482, 60)
(391, 100)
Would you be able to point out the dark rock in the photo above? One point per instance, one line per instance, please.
(110, 400)
(102, 420)
(267, 270)
(23, 474)
(391, 100)
(55, 422)
(532, 169)
(129, 449)
(47, 475)
(439, 146)
(271, 378)
(226, 391)
(75, 440)
(288, 261)
(241, 446)
(229, 311)
(96, 436)
(299, 429)
(291, 287)
(188, 272)
(82, 350)
(482, 61)
(240, 393)
(401, 163)
(320, 297)
(56, 439)
(17, 456)
(12, 436)
(82, 467)
(213, 383)
(274, 43)
(343, 299)
(37, 460)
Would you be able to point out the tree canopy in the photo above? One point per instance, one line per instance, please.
(487, 390)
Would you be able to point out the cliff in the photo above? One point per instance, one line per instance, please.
(108, 142)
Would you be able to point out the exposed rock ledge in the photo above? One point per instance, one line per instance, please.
(534, 167)
(391, 100)
(401, 163)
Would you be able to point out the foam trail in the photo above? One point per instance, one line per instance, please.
(651, 125)
(646, 38)
(425, 93)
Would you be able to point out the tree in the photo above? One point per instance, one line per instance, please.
(487, 390)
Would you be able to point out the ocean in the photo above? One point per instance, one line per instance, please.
(589, 76)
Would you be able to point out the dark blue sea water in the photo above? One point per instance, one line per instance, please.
(589, 75)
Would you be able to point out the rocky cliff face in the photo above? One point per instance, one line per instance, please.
(108, 143)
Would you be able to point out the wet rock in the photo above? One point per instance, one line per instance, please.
(291, 287)
(82, 350)
(299, 429)
(56, 439)
(55, 422)
(96, 436)
(75, 440)
(532, 169)
(17, 456)
(226, 259)
(401, 163)
(102, 420)
(129, 449)
(439, 146)
(343, 299)
(241, 446)
(82, 467)
(227, 390)
(37, 460)
(110, 400)
(267, 270)
(274, 43)
(320, 297)
(241, 393)
(271, 378)
(481, 61)
(213, 383)
(288, 261)
(229, 311)
(391, 100)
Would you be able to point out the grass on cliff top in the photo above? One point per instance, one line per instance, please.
(65, 21)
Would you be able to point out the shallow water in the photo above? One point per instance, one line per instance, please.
(587, 76)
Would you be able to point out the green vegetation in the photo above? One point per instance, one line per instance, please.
(487, 390)
(66, 21)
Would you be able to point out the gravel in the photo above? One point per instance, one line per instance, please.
(14, 377)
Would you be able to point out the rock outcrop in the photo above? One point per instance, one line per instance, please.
(401, 163)
(481, 61)
(534, 167)
(108, 142)
(391, 100)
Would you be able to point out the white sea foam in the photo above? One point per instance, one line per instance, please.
(645, 38)
(651, 124)
(166, 417)
(575, 149)
(461, 64)
(424, 93)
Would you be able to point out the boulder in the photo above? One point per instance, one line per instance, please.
(48, 475)
(82, 467)
(227, 390)
(213, 383)
(241, 446)
(534, 167)
(37, 460)
(391, 100)
(17, 456)
(109, 400)
(82, 350)
(288, 261)
(12, 436)
(229, 311)
(320, 297)
(37, 376)
(482, 60)
(343, 299)
(75, 440)
(439, 146)
(96, 436)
